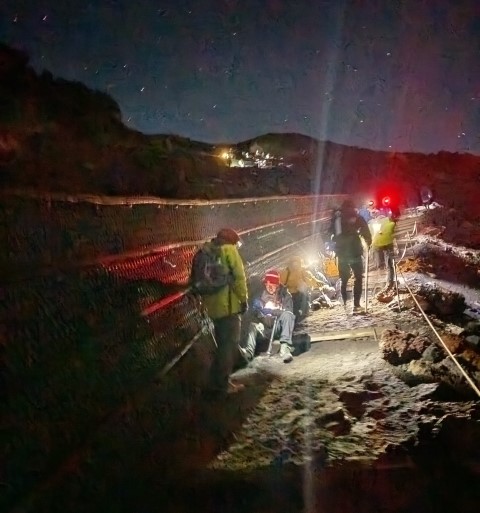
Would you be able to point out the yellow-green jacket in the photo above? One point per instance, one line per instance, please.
(227, 300)
(296, 280)
(384, 236)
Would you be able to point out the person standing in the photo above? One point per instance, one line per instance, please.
(346, 228)
(383, 244)
(225, 307)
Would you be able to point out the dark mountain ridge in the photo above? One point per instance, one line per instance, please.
(58, 135)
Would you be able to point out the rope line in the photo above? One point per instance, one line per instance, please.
(450, 354)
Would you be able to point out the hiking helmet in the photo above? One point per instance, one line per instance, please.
(272, 276)
(228, 236)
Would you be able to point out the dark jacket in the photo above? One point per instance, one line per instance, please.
(280, 301)
(346, 227)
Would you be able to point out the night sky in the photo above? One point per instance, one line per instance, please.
(382, 74)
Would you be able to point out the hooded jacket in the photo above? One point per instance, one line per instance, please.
(227, 301)
(298, 279)
(346, 227)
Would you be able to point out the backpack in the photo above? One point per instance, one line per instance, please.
(301, 343)
(209, 274)
(330, 268)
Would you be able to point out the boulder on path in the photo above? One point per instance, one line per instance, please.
(398, 347)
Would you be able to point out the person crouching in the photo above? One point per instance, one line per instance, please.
(274, 304)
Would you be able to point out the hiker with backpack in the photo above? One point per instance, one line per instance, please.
(346, 228)
(273, 320)
(218, 276)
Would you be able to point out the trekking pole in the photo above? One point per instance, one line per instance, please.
(269, 350)
(366, 279)
(326, 299)
(396, 283)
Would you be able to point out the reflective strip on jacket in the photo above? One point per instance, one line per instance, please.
(227, 301)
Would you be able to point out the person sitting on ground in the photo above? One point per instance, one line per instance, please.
(346, 228)
(328, 284)
(382, 243)
(275, 303)
(299, 282)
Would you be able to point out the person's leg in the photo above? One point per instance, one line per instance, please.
(388, 251)
(284, 331)
(300, 304)
(344, 273)
(357, 268)
(255, 330)
(378, 259)
(305, 302)
(227, 335)
(297, 303)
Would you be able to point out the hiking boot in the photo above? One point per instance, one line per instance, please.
(386, 294)
(358, 309)
(275, 347)
(285, 353)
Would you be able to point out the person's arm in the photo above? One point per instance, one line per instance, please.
(235, 263)
(364, 230)
(262, 309)
(391, 227)
(257, 307)
(310, 279)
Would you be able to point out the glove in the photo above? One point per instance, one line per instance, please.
(243, 307)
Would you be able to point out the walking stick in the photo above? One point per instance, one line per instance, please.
(366, 279)
(269, 350)
(396, 283)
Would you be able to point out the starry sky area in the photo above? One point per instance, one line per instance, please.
(382, 74)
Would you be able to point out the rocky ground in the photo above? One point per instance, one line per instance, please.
(348, 399)
(379, 416)
(376, 417)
